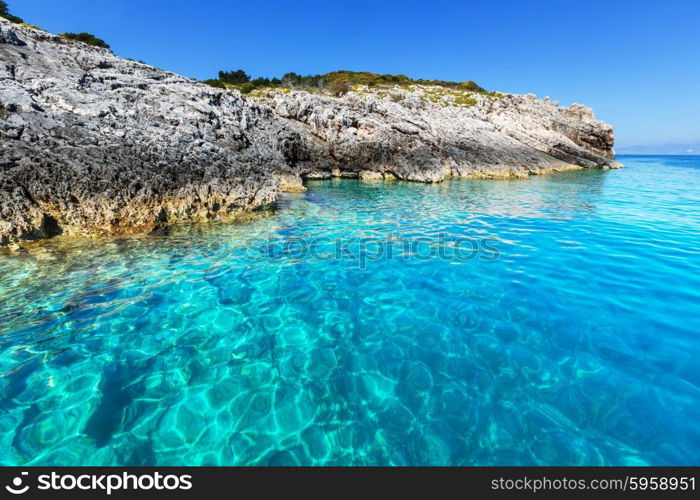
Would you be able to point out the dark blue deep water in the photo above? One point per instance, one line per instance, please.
(550, 321)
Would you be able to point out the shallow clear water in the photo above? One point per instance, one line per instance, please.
(571, 335)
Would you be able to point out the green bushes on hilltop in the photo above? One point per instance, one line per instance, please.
(5, 12)
(27, 25)
(11, 18)
(294, 80)
(215, 83)
(234, 77)
(337, 82)
(87, 38)
(351, 78)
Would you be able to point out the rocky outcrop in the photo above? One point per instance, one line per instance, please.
(94, 144)
(426, 134)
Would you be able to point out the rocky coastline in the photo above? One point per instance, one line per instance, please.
(91, 143)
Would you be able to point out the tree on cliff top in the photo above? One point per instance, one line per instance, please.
(5, 12)
(234, 77)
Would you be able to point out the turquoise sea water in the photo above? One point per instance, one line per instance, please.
(570, 335)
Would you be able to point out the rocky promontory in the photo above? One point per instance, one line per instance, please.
(91, 143)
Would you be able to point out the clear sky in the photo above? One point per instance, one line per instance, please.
(637, 63)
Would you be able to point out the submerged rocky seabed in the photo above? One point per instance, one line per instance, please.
(205, 344)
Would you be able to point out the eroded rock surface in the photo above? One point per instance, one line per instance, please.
(91, 143)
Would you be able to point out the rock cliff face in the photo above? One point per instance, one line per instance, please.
(94, 144)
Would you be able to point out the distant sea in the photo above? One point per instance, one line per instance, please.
(661, 149)
(548, 321)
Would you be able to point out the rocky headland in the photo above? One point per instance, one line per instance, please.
(91, 143)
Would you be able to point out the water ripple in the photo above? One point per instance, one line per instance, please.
(578, 345)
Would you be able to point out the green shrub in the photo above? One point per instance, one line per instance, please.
(215, 83)
(465, 101)
(471, 86)
(247, 87)
(339, 88)
(5, 12)
(27, 25)
(12, 19)
(294, 80)
(87, 38)
(234, 77)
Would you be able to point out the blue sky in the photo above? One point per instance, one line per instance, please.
(637, 63)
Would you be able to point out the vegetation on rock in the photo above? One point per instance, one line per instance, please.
(87, 38)
(233, 77)
(5, 12)
(27, 25)
(215, 83)
(337, 82)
